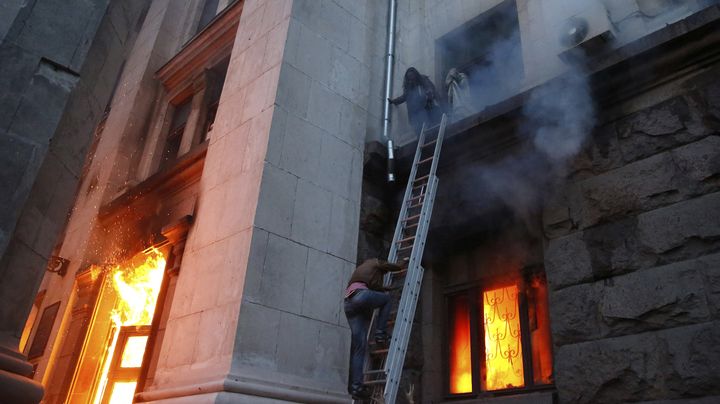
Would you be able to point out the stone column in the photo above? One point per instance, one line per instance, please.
(47, 53)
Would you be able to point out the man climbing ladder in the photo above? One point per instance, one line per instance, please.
(383, 366)
(365, 293)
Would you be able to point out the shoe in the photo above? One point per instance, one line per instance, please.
(360, 392)
(382, 337)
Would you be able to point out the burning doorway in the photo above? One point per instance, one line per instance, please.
(119, 332)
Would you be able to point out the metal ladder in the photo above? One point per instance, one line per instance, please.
(383, 367)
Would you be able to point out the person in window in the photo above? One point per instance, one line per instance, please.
(365, 292)
(458, 94)
(422, 101)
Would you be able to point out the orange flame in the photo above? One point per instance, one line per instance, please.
(137, 289)
(137, 286)
(460, 355)
(503, 350)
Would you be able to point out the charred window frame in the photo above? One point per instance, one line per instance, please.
(476, 47)
(173, 140)
(530, 311)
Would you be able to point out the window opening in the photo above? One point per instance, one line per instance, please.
(177, 128)
(487, 50)
(514, 337)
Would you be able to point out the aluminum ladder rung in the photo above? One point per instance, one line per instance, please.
(374, 371)
(423, 178)
(411, 225)
(430, 143)
(413, 217)
(380, 351)
(406, 239)
(378, 381)
(423, 161)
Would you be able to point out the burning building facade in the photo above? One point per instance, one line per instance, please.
(236, 177)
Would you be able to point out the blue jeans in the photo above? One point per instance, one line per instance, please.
(358, 310)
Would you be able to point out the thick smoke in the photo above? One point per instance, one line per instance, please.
(560, 115)
(556, 120)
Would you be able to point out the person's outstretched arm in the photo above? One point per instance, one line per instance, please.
(398, 100)
(390, 267)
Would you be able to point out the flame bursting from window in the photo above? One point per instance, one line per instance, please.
(460, 348)
(503, 349)
(137, 286)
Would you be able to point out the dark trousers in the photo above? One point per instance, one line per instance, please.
(358, 310)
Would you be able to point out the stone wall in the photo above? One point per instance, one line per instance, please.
(304, 234)
(632, 256)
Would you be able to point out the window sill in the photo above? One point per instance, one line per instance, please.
(536, 395)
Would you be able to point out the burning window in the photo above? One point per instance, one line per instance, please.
(119, 331)
(512, 345)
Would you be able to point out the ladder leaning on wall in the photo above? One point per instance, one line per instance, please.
(383, 367)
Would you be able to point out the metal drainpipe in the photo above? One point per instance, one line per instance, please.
(389, 67)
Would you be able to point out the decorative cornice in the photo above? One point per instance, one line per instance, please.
(208, 47)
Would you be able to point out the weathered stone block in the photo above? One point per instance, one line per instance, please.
(301, 144)
(331, 353)
(324, 107)
(257, 336)
(658, 128)
(323, 287)
(293, 90)
(574, 314)
(568, 261)
(353, 120)
(276, 136)
(19, 156)
(277, 197)
(326, 17)
(668, 296)
(283, 274)
(343, 229)
(676, 363)
(661, 297)
(656, 181)
(61, 31)
(639, 186)
(313, 53)
(311, 216)
(336, 166)
(682, 224)
(700, 163)
(297, 355)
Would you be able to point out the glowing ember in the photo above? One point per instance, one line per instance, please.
(460, 356)
(503, 350)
